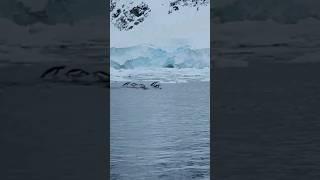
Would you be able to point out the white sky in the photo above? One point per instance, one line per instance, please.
(161, 29)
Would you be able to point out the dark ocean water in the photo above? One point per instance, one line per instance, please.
(160, 134)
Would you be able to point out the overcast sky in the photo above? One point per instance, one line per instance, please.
(161, 29)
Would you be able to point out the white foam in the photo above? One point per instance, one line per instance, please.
(164, 75)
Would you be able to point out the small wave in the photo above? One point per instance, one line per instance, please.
(164, 75)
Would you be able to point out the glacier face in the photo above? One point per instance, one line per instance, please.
(147, 62)
(150, 56)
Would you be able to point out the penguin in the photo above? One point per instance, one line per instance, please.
(142, 86)
(102, 76)
(156, 85)
(54, 70)
(126, 84)
(134, 85)
(76, 73)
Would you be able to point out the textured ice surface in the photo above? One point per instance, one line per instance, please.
(146, 62)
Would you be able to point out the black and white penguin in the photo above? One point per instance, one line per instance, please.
(134, 85)
(76, 73)
(142, 86)
(156, 85)
(102, 76)
(53, 70)
(126, 84)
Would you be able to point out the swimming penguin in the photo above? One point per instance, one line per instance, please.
(142, 86)
(156, 85)
(76, 73)
(102, 76)
(54, 70)
(134, 84)
(126, 84)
